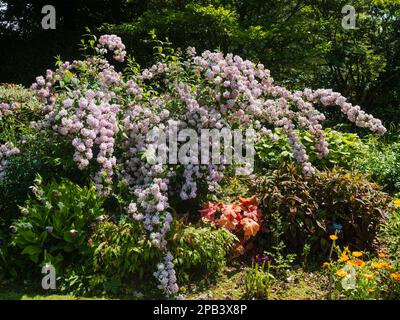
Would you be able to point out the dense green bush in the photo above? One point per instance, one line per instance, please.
(381, 160)
(118, 260)
(201, 251)
(55, 224)
(343, 150)
(40, 152)
(308, 207)
(43, 154)
(25, 108)
(10, 93)
(391, 234)
(64, 224)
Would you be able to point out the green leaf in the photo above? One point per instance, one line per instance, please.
(31, 250)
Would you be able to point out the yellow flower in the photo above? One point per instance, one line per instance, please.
(356, 263)
(386, 265)
(341, 273)
(395, 276)
(357, 254)
(377, 265)
(325, 265)
(343, 257)
(381, 255)
(333, 237)
(381, 265)
(369, 276)
(396, 202)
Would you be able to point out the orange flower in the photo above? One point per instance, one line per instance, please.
(333, 237)
(344, 257)
(248, 201)
(325, 265)
(341, 273)
(386, 265)
(370, 290)
(369, 276)
(395, 276)
(381, 255)
(356, 263)
(357, 254)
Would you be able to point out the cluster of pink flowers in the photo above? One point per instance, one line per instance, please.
(88, 117)
(245, 94)
(6, 150)
(94, 123)
(354, 113)
(166, 275)
(44, 89)
(8, 109)
(114, 44)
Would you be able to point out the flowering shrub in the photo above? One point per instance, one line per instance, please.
(16, 99)
(106, 117)
(362, 279)
(6, 109)
(17, 105)
(6, 150)
(242, 219)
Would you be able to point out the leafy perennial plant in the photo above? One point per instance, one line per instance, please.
(241, 219)
(106, 116)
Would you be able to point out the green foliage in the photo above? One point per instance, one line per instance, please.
(206, 26)
(282, 260)
(307, 207)
(119, 260)
(391, 234)
(201, 251)
(344, 148)
(257, 281)
(381, 160)
(41, 153)
(55, 224)
(26, 109)
(17, 93)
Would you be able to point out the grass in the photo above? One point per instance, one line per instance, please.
(228, 285)
(10, 291)
(300, 285)
(13, 295)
